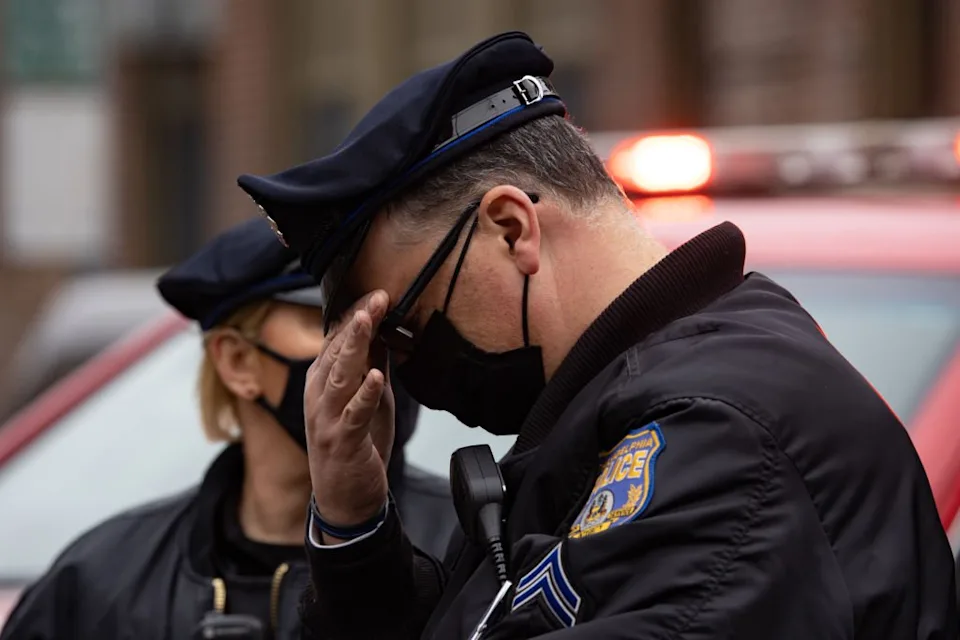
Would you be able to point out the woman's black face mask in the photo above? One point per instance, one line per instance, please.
(289, 413)
(447, 372)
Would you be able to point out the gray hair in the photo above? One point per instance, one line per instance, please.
(548, 156)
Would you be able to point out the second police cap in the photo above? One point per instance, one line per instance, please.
(241, 265)
(323, 208)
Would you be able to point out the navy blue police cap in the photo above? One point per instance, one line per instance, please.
(243, 264)
(323, 208)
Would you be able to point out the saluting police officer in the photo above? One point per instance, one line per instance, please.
(694, 459)
(225, 559)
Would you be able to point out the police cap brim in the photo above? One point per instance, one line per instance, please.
(425, 123)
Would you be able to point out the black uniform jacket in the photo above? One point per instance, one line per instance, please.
(704, 464)
(149, 573)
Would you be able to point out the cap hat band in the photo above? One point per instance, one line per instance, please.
(522, 93)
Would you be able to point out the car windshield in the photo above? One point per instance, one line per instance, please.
(139, 437)
(897, 330)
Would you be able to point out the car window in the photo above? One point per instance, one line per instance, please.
(899, 331)
(439, 434)
(138, 438)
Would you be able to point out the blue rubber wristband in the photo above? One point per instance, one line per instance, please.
(347, 533)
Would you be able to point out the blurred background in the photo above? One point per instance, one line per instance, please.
(125, 123)
(828, 130)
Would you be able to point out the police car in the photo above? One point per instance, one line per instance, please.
(860, 221)
(879, 272)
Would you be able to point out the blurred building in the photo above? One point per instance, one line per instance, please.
(126, 122)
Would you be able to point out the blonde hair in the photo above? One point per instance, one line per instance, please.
(218, 405)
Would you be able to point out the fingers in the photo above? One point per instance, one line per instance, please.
(376, 306)
(344, 365)
(328, 355)
(334, 343)
(347, 372)
(320, 369)
(363, 405)
(331, 354)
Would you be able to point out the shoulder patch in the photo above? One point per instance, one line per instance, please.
(625, 484)
(549, 581)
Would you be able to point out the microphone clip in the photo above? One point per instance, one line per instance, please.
(478, 494)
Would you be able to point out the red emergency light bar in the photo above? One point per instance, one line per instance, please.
(765, 159)
(667, 163)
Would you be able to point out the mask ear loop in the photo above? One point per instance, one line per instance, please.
(534, 198)
(273, 354)
(459, 265)
(523, 311)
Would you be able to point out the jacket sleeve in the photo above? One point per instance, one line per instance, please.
(727, 544)
(47, 609)
(378, 587)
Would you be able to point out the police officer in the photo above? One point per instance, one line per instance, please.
(227, 556)
(694, 459)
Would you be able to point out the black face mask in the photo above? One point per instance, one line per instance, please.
(289, 413)
(447, 372)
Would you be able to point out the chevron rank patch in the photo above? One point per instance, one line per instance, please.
(549, 581)
(625, 484)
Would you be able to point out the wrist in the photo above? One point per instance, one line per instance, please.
(335, 532)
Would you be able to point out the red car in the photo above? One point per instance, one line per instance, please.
(882, 277)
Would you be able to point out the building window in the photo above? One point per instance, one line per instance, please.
(56, 41)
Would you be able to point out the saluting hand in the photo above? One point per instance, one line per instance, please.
(349, 411)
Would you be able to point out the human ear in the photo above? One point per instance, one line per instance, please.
(236, 362)
(513, 215)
